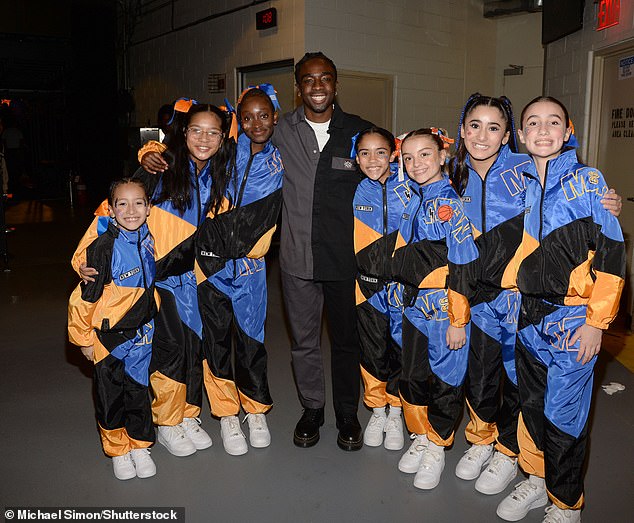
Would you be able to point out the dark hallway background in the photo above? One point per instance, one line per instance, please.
(58, 84)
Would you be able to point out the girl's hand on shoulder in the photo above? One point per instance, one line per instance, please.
(154, 163)
(589, 342)
(86, 273)
(456, 337)
(89, 352)
(612, 202)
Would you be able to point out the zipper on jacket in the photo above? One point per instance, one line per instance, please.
(138, 246)
(541, 225)
(385, 243)
(198, 205)
(239, 202)
(484, 199)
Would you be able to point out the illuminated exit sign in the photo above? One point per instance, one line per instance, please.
(608, 13)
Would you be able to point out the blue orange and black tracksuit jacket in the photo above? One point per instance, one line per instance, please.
(173, 234)
(122, 297)
(247, 217)
(495, 207)
(435, 248)
(572, 248)
(378, 208)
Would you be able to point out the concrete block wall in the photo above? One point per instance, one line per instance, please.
(519, 43)
(438, 52)
(566, 68)
(167, 64)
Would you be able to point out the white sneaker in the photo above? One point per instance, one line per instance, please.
(196, 433)
(431, 466)
(394, 439)
(471, 463)
(123, 467)
(529, 494)
(233, 439)
(259, 435)
(175, 440)
(143, 462)
(373, 433)
(496, 477)
(410, 461)
(554, 514)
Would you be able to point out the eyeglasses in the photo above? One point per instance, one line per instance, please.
(199, 133)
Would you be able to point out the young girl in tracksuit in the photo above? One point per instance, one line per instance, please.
(436, 258)
(378, 204)
(571, 277)
(195, 154)
(487, 173)
(111, 319)
(231, 274)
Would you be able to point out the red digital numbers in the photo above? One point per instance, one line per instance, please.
(266, 19)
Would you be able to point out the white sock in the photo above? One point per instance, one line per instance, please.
(434, 447)
(537, 481)
(395, 411)
(379, 411)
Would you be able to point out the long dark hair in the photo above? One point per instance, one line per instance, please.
(176, 180)
(459, 171)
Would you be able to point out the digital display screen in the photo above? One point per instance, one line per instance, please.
(266, 19)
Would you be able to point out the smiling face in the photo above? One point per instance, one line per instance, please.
(544, 130)
(374, 157)
(484, 133)
(422, 159)
(130, 207)
(203, 137)
(258, 119)
(317, 86)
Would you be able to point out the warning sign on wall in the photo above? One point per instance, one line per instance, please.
(626, 67)
(622, 122)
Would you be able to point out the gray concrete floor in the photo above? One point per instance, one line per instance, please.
(51, 454)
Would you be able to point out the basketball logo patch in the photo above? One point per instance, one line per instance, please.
(444, 213)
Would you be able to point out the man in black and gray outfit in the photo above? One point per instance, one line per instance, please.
(317, 254)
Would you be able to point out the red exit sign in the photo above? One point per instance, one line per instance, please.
(608, 13)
